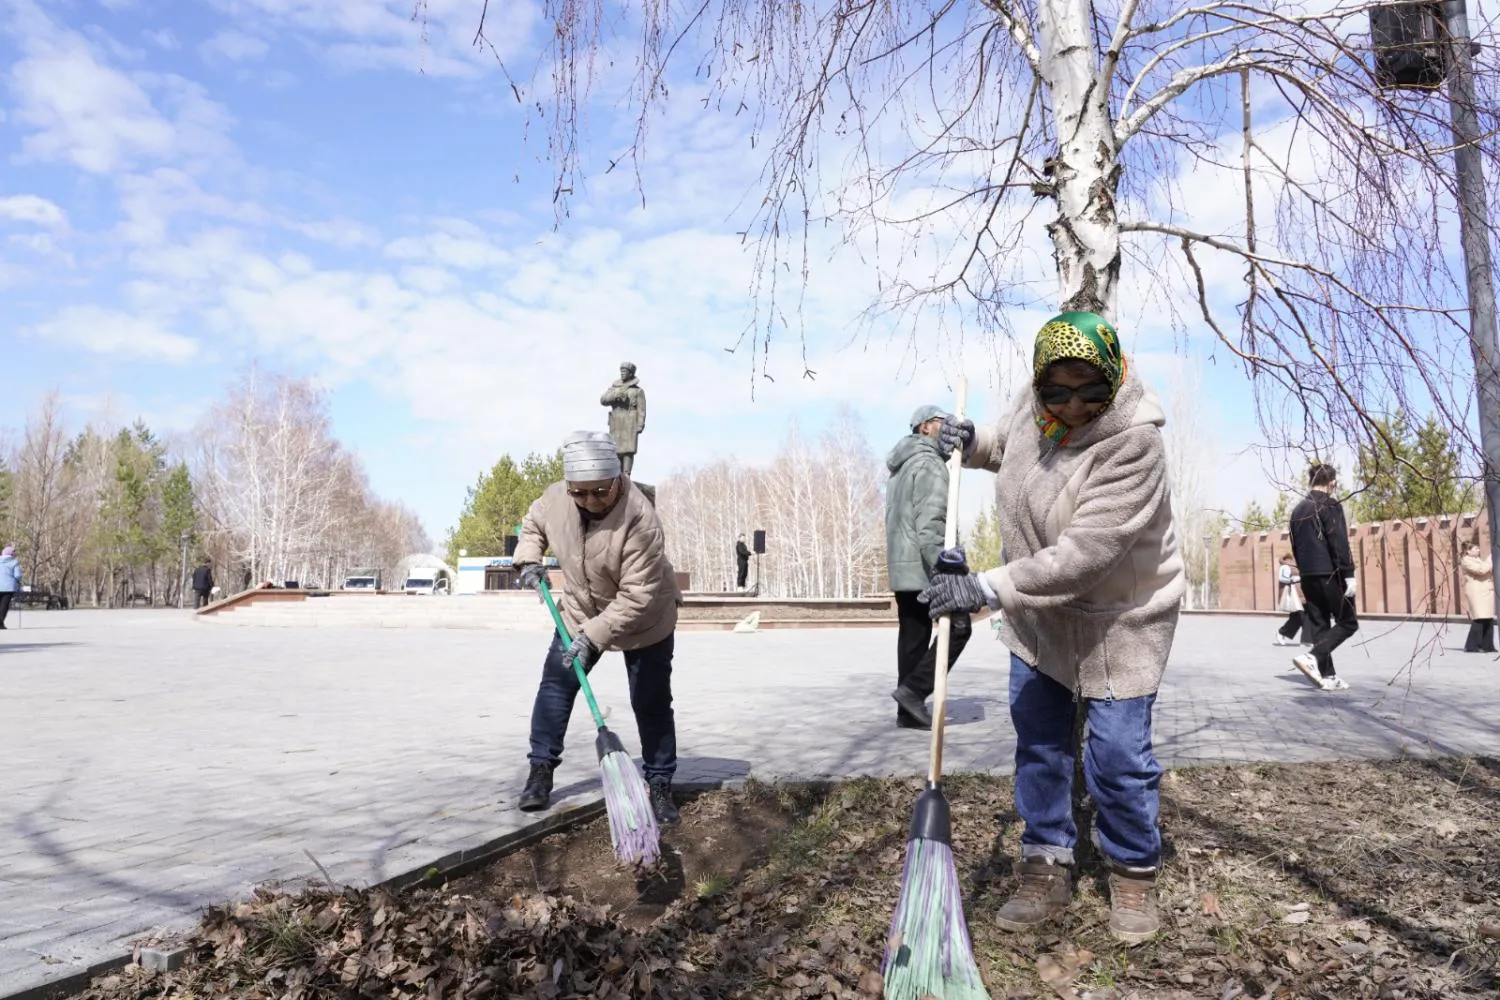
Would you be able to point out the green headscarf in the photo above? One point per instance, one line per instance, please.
(1076, 336)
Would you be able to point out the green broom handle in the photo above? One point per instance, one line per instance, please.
(562, 630)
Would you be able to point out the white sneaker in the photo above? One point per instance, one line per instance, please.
(1282, 640)
(1309, 667)
(1335, 683)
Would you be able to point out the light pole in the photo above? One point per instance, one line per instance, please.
(182, 574)
(1416, 49)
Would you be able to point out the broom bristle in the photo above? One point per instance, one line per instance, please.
(627, 800)
(928, 952)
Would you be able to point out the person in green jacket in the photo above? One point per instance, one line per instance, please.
(916, 505)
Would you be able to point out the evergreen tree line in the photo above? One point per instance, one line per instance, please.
(1407, 473)
(106, 517)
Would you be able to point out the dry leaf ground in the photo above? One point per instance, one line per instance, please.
(1334, 881)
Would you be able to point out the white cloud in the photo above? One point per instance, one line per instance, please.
(32, 209)
(82, 111)
(162, 39)
(233, 46)
(103, 331)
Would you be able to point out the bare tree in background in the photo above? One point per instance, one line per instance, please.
(819, 502)
(1191, 453)
(957, 146)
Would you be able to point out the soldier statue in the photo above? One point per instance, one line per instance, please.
(627, 414)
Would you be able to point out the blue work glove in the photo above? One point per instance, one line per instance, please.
(531, 575)
(583, 650)
(956, 433)
(951, 593)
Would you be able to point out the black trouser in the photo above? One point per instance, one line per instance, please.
(1293, 625)
(649, 671)
(742, 574)
(202, 598)
(5, 598)
(1481, 636)
(916, 660)
(1331, 618)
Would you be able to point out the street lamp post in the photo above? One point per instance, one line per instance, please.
(1420, 46)
(182, 574)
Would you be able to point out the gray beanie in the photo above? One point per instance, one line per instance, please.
(589, 456)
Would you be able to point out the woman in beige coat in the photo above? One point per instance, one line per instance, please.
(1091, 589)
(1479, 594)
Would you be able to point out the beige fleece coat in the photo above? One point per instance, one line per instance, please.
(1479, 586)
(618, 585)
(1093, 580)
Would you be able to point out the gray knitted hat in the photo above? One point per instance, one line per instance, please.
(589, 456)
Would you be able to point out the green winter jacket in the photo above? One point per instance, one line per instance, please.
(916, 505)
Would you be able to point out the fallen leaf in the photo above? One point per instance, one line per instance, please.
(1211, 906)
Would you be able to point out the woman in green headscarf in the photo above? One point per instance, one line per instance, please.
(1090, 589)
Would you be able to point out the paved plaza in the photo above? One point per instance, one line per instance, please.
(153, 763)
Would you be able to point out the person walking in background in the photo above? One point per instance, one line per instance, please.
(1288, 601)
(741, 562)
(10, 580)
(1320, 544)
(619, 592)
(1092, 589)
(203, 583)
(1479, 594)
(916, 517)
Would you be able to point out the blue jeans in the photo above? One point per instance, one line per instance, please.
(649, 671)
(1121, 772)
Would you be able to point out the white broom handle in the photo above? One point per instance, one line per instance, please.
(945, 622)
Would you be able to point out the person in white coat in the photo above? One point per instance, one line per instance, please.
(1479, 595)
(1289, 601)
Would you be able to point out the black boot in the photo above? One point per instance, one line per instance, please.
(661, 802)
(538, 790)
(913, 706)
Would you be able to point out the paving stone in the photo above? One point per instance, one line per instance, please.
(155, 764)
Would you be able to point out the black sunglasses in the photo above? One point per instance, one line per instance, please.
(598, 492)
(1056, 395)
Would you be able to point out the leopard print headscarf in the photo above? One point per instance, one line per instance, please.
(1081, 336)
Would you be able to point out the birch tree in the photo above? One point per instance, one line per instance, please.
(1230, 166)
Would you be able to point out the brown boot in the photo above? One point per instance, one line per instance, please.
(1132, 905)
(1046, 890)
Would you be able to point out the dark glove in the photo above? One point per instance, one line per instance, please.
(952, 592)
(953, 560)
(531, 575)
(583, 650)
(955, 434)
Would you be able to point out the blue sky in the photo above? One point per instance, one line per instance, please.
(189, 187)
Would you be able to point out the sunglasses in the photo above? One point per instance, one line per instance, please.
(1057, 395)
(598, 492)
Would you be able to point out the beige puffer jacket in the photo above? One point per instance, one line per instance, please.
(618, 585)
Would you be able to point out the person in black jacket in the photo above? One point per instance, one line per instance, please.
(1320, 543)
(203, 583)
(741, 562)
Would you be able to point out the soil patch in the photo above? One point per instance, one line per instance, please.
(1348, 880)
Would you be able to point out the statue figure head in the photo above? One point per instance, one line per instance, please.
(627, 370)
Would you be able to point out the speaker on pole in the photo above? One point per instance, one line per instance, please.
(760, 541)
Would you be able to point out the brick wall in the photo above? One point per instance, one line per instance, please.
(1403, 567)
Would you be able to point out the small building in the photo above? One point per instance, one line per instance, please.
(478, 574)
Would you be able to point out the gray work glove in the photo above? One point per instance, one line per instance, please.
(583, 650)
(955, 434)
(531, 575)
(949, 593)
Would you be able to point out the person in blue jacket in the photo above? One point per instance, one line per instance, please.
(10, 580)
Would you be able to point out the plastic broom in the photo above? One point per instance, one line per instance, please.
(627, 800)
(928, 953)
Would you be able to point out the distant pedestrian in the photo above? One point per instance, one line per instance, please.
(10, 580)
(741, 562)
(1288, 601)
(916, 516)
(1479, 594)
(1320, 543)
(203, 583)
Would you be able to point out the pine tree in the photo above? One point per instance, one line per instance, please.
(1408, 473)
(498, 501)
(983, 547)
(1254, 519)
